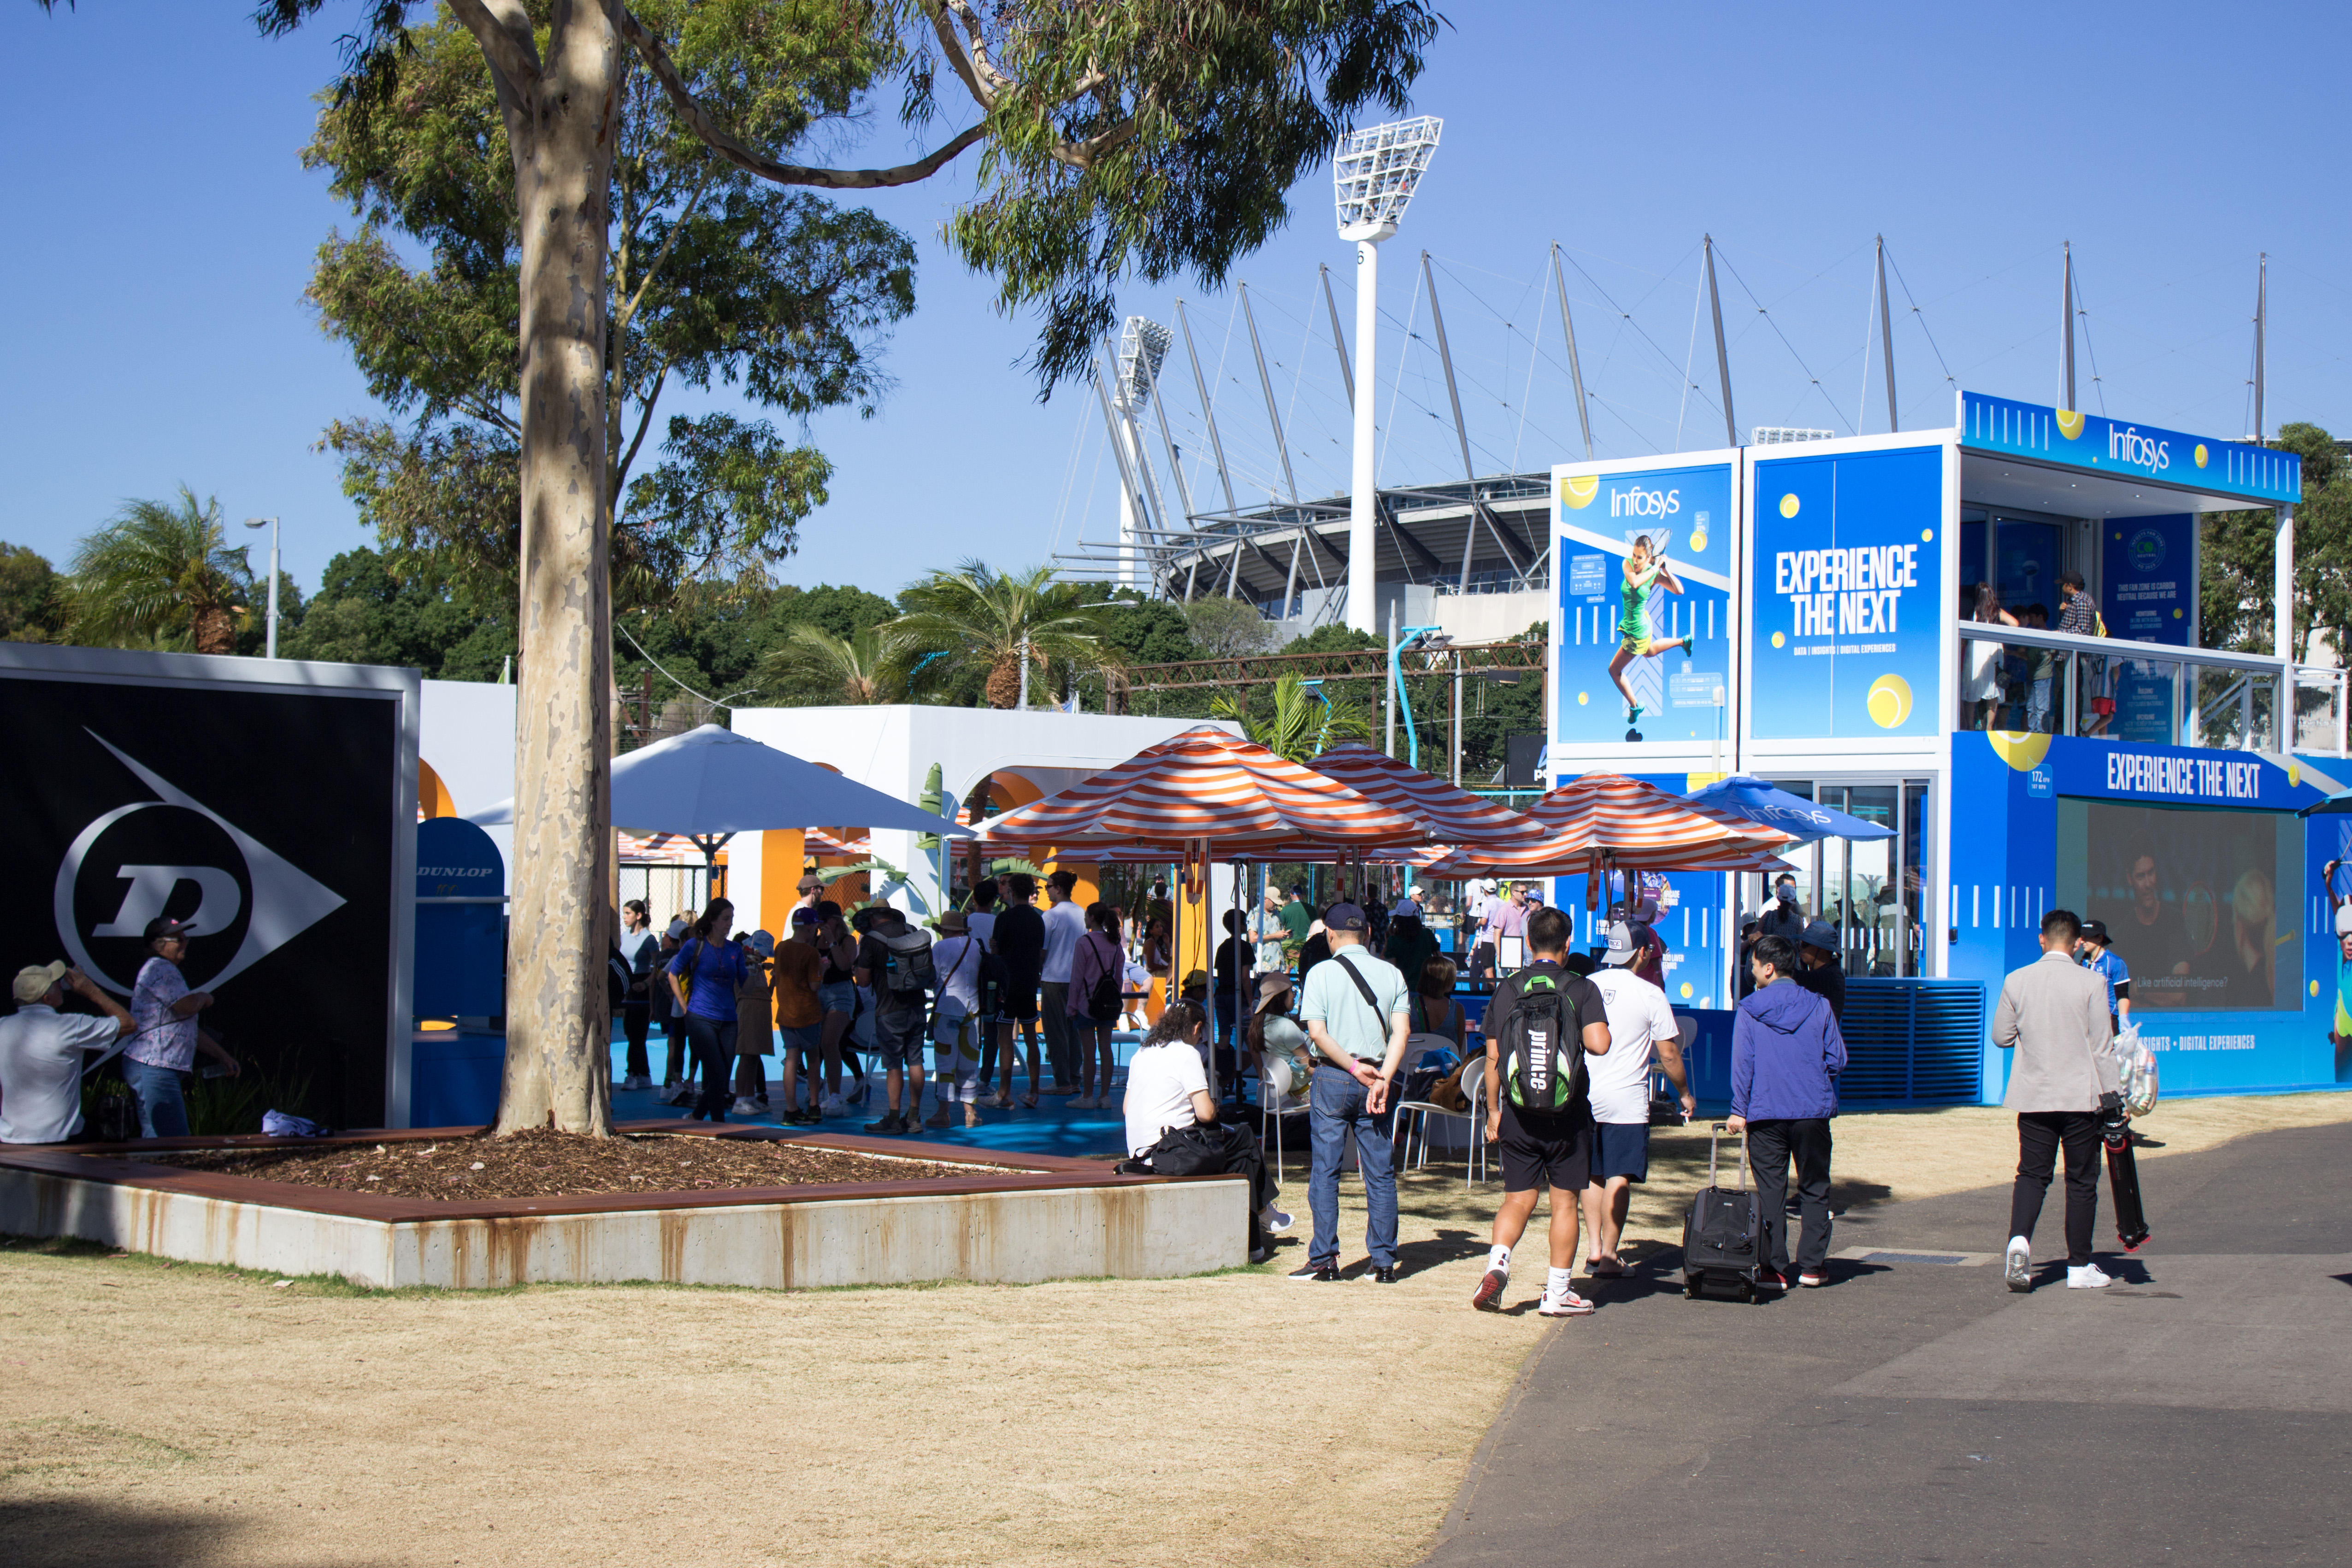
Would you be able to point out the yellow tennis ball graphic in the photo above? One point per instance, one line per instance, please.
(2020, 749)
(1789, 505)
(2315, 988)
(1780, 641)
(1926, 536)
(2199, 455)
(2070, 423)
(1686, 989)
(1582, 697)
(1889, 702)
(1578, 490)
(1698, 540)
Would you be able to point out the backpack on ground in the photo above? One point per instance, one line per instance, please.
(1723, 1233)
(1543, 1053)
(906, 971)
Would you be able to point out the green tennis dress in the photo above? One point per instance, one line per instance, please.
(1633, 625)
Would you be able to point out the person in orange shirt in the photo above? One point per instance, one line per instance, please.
(797, 969)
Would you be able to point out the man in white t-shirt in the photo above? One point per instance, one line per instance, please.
(1172, 1126)
(1066, 927)
(1640, 1021)
(956, 1026)
(41, 1053)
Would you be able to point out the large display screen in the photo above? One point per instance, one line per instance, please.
(2201, 903)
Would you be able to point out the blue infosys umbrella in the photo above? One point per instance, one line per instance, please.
(1745, 795)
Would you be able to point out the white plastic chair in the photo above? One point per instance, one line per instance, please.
(1273, 1086)
(1420, 1111)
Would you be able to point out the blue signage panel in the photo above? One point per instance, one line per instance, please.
(2114, 447)
(1848, 596)
(1645, 622)
(2147, 577)
(2214, 891)
(460, 953)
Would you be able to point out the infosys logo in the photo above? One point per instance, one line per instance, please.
(2129, 445)
(1636, 501)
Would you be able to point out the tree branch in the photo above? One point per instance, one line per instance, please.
(997, 82)
(502, 27)
(645, 422)
(628, 308)
(698, 119)
(949, 47)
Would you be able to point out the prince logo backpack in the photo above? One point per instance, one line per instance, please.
(1543, 1063)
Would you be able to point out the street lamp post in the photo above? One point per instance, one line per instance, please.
(271, 523)
(1373, 179)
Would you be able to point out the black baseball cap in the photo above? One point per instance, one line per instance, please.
(159, 928)
(2097, 931)
(1344, 917)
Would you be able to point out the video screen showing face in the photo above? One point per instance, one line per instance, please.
(2200, 903)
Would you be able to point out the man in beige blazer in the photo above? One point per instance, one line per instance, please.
(2053, 1015)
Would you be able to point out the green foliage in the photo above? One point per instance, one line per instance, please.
(161, 575)
(32, 596)
(1223, 627)
(818, 668)
(714, 277)
(364, 612)
(984, 620)
(1294, 720)
(1333, 638)
(2237, 552)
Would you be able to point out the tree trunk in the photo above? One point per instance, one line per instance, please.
(216, 630)
(559, 1024)
(1004, 685)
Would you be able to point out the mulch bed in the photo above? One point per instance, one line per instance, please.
(546, 1164)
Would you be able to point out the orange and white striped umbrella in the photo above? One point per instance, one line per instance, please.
(1450, 815)
(1609, 819)
(1204, 785)
(818, 841)
(661, 849)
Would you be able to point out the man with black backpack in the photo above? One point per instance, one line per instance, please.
(895, 959)
(1542, 1024)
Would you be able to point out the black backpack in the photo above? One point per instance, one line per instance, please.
(1103, 999)
(1542, 1048)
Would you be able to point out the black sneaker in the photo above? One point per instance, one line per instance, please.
(1324, 1273)
(893, 1122)
(1387, 1275)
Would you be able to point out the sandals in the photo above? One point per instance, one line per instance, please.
(1606, 1268)
(1028, 1103)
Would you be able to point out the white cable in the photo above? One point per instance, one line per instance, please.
(1698, 294)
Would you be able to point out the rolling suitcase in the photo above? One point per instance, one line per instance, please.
(1723, 1233)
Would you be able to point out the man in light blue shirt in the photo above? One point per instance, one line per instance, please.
(1355, 1007)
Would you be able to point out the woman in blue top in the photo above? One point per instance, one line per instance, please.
(703, 977)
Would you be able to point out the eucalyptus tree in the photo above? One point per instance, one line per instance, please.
(1122, 138)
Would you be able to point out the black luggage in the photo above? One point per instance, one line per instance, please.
(1723, 1233)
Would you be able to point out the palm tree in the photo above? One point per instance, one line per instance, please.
(1305, 722)
(858, 670)
(977, 616)
(161, 575)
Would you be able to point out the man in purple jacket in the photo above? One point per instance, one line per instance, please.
(1786, 1054)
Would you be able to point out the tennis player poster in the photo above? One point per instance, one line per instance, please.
(1643, 636)
(1848, 602)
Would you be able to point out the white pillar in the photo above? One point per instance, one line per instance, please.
(1362, 613)
(2283, 587)
(1129, 576)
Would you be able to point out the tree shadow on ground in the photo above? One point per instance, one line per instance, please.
(84, 1531)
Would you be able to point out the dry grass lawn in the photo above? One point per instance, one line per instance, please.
(187, 1415)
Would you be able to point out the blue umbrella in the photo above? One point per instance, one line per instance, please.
(1745, 795)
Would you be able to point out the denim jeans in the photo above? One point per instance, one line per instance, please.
(2037, 705)
(162, 1109)
(1336, 1103)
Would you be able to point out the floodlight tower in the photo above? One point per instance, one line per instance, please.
(1373, 178)
(1142, 346)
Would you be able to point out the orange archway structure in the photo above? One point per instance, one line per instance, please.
(432, 798)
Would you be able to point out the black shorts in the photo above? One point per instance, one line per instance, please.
(1019, 1006)
(1554, 1152)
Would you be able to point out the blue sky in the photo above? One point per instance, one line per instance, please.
(164, 228)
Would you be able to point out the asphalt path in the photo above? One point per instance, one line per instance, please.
(2200, 1409)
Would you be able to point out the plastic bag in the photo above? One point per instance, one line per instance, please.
(2136, 1067)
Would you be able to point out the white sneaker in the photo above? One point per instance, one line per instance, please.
(746, 1106)
(833, 1105)
(2089, 1277)
(1271, 1220)
(1566, 1304)
(1000, 1100)
(2017, 1264)
(636, 1080)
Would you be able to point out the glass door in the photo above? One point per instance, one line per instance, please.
(1872, 892)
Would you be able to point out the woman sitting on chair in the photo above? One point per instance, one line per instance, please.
(1276, 1037)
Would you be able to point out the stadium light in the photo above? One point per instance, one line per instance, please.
(1373, 179)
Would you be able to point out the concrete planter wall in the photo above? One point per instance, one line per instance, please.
(1039, 1217)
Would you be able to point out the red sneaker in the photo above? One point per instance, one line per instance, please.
(1488, 1297)
(1769, 1279)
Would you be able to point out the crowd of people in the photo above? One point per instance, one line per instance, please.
(1328, 1012)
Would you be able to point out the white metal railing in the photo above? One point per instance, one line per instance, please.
(2212, 697)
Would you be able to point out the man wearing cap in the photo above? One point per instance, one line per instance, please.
(1411, 943)
(2094, 952)
(41, 1050)
(1817, 966)
(794, 974)
(1640, 1021)
(1357, 1010)
(168, 1040)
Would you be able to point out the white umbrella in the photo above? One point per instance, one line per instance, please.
(711, 784)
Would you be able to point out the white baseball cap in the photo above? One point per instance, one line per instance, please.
(1623, 948)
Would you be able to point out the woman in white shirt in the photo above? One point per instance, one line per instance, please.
(1171, 1124)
